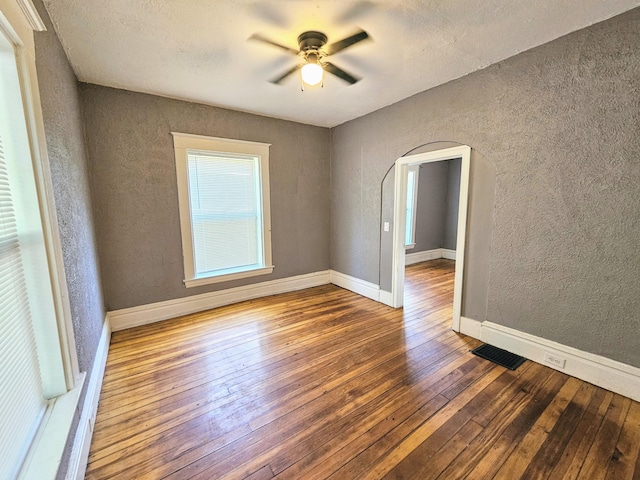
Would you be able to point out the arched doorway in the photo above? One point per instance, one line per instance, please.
(394, 297)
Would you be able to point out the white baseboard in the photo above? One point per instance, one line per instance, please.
(601, 371)
(471, 327)
(155, 312)
(448, 254)
(386, 298)
(356, 285)
(426, 255)
(84, 433)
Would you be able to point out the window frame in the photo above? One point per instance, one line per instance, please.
(184, 143)
(411, 222)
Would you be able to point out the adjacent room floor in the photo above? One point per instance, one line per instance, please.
(323, 383)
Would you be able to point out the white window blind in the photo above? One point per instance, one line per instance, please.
(226, 212)
(21, 400)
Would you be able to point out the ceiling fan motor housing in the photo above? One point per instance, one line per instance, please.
(311, 40)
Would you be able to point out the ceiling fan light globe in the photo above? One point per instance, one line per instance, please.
(312, 74)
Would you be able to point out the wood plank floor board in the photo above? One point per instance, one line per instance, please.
(322, 383)
(409, 338)
(395, 369)
(264, 473)
(386, 433)
(334, 362)
(447, 452)
(278, 395)
(379, 458)
(284, 366)
(621, 464)
(488, 451)
(368, 415)
(203, 343)
(527, 382)
(341, 330)
(524, 451)
(243, 416)
(388, 412)
(576, 452)
(175, 380)
(278, 306)
(419, 462)
(138, 440)
(330, 409)
(332, 456)
(557, 438)
(208, 344)
(603, 446)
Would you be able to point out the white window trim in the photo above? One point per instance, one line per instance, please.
(183, 143)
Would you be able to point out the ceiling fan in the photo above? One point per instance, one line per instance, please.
(313, 49)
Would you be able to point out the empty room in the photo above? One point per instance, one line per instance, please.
(312, 239)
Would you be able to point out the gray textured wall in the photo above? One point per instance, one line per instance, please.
(67, 157)
(133, 181)
(437, 210)
(431, 211)
(386, 238)
(554, 216)
(453, 199)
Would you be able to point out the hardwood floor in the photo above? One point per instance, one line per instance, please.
(323, 383)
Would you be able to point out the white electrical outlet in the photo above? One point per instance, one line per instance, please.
(554, 360)
(386, 226)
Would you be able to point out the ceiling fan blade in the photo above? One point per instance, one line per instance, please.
(355, 11)
(347, 42)
(286, 74)
(259, 38)
(338, 72)
(270, 14)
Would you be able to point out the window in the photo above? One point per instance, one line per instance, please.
(35, 376)
(412, 202)
(223, 192)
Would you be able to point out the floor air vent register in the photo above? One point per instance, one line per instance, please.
(499, 356)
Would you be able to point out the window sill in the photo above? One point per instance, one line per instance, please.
(47, 450)
(197, 282)
(410, 246)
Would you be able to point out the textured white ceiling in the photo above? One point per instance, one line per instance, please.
(198, 50)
